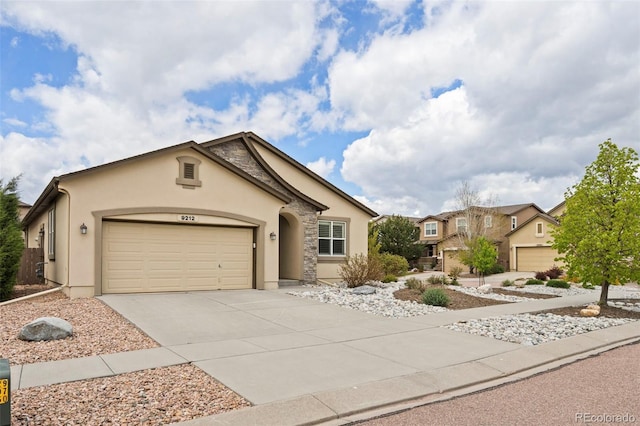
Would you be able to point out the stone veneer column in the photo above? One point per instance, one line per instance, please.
(236, 153)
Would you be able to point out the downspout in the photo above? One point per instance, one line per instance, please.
(326, 282)
(30, 296)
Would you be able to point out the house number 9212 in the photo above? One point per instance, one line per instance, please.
(187, 218)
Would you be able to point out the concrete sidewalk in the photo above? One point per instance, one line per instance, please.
(304, 362)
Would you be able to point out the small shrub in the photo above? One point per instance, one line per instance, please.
(541, 276)
(573, 279)
(554, 272)
(389, 278)
(435, 297)
(438, 279)
(394, 264)
(360, 269)
(507, 283)
(558, 284)
(534, 281)
(495, 269)
(415, 284)
(455, 272)
(588, 286)
(454, 281)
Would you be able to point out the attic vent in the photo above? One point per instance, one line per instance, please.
(188, 172)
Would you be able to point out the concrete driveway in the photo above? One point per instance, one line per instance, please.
(269, 346)
(301, 361)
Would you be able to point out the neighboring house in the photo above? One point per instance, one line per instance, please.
(443, 233)
(530, 244)
(231, 213)
(23, 209)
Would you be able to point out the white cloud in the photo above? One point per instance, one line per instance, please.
(14, 122)
(322, 167)
(128, 93)
(543, 84)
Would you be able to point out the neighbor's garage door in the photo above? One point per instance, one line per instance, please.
(147, 257)
(534, 259)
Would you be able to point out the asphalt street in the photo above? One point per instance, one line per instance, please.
(600, 390)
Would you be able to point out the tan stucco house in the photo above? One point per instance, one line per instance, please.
(440, 233)
(231, 213)
(530, 243)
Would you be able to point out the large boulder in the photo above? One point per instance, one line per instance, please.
(363, 290)
(46, 328)
(590, 311)
(484, 289)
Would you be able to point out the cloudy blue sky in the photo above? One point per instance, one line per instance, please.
(395, 102)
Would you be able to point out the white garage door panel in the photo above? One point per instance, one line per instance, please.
(534, 259)
(144, 257)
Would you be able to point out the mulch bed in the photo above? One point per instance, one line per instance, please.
(457, 299)
(460, 300)
(605, 311)
(522, 294)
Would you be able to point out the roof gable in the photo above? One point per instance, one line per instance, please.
(542, 216)
(51, 191)
(250, 138)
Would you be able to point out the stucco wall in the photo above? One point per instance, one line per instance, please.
(147, 189)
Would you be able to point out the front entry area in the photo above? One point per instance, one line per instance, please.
(140, 257)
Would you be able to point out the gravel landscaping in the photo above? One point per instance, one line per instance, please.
(150, 397)
(395, 300)
(180, 393)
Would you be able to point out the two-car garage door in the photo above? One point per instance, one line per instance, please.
(150, 257)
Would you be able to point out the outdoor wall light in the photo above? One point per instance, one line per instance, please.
(272, 235)
(83, 229)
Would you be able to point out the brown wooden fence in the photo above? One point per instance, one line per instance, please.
(31, 266)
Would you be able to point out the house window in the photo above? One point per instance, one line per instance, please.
(332, 238)
(488, 221)
(461, 224)
(51, 246)
(514, 222)
(539, 229)
(430, 229)
(188, 172)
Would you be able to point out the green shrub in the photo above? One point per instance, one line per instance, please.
(534, 281)
(495, 269)
(507, 283)
(554, 272)
(394, 264)
(438, 279)
(454, 281)
(435, 297)
(588, 286)
(541, 276)
(558, 284)
(455, 272)
(415, 284)
(389, 278)
(360, 269)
